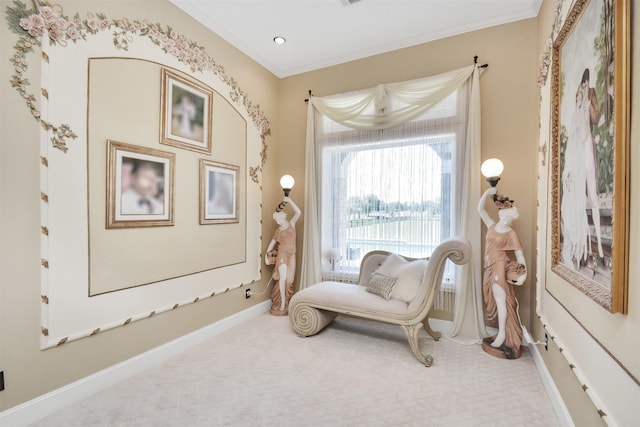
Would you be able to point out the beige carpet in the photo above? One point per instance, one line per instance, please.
(354, 373)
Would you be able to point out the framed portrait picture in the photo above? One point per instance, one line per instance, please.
(218, 192)
(590, 151)
(139, 186)
(186, 108)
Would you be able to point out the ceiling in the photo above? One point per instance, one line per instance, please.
(321, 33)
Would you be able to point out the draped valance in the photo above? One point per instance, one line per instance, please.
(392, 104)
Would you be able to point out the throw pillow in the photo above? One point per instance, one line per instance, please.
(391, 264)
(381, 285)
(409, 280)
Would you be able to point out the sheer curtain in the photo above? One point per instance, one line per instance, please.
(428, 129)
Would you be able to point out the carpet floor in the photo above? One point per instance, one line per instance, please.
(354, 373)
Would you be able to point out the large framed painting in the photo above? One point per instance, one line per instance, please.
(186, 113)
(139, 186)
(218, 192)
(590, 151)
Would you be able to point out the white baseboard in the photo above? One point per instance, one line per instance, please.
(56, 400)
(560, 409)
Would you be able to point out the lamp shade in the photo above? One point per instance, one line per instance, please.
(492, 168)
(287, 182)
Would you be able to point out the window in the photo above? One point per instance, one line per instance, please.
(388, 189)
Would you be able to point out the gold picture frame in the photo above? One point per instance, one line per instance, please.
(140, 183)
(186, 113)
(590, 151)
(219, 193)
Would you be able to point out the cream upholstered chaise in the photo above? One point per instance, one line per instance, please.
(405, 301)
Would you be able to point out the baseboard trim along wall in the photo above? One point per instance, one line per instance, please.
(560, 409)
(56, 400)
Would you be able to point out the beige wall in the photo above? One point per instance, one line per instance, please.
(28, 371)
(509, 114)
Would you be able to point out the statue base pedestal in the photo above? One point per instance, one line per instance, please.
(278, 312)
(502, 352)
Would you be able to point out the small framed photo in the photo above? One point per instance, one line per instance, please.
(218, 192)
(186, 109)
(139, 186)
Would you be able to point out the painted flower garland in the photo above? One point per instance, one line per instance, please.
(31, 25)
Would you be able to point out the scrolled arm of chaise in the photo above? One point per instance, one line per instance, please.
(309, 320)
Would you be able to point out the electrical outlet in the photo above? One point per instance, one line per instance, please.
(546, 341)
(247, 293)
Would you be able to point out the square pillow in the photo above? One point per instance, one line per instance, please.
(409, 280)
(381, 285)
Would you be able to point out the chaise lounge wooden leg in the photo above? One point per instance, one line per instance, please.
(427, 327)
(412, 331)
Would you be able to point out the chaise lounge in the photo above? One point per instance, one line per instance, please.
(391, 288)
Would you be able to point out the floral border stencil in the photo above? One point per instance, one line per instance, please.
(31, 25)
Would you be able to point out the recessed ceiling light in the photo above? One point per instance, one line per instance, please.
(279, 40)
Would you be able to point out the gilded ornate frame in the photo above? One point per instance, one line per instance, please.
(609, 60)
